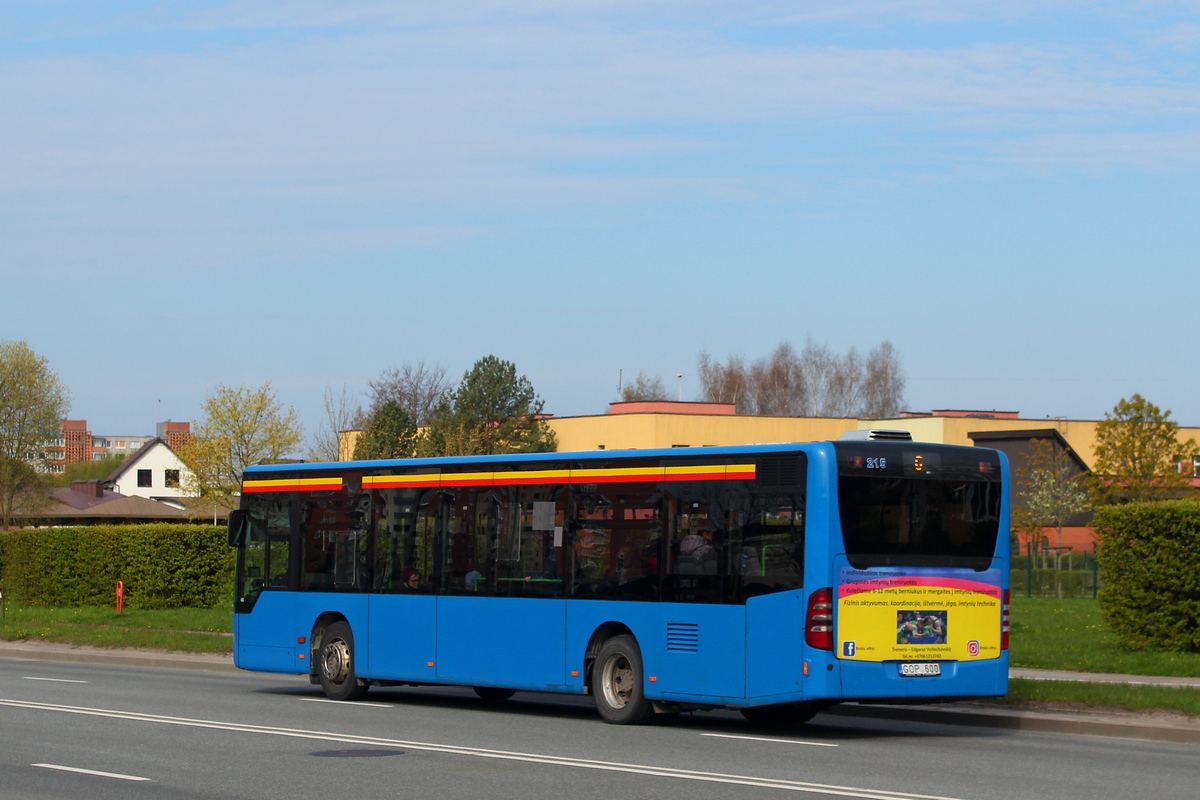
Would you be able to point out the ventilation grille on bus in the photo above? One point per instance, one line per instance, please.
(683, 637)
(779, 471)
(877, 435)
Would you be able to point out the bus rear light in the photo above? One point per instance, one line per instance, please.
(1005, 620)
(818, 623)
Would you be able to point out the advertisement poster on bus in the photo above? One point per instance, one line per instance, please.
(930, 613)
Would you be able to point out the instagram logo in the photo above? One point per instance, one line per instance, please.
(973, 648)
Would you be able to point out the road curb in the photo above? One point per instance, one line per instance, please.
(1182, 732)
(25, 651)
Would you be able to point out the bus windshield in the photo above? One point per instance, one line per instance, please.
(929, 507)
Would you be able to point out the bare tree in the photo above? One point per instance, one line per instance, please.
(342, 413)
(816, 367)
(844, 390)
(724, 383)
(777, 384)
(883, 384)
(415, 388)
(813, 383)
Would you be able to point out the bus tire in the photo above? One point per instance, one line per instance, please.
(782, 716)
(493, 694)
(336, 665)
(618, 683)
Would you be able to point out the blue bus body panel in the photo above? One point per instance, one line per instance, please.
(502, 641)
(775, 647)
(866, 680)
(699, 654)
(264, 643)
(402, 641)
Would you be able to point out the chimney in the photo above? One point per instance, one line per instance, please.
(88, 488)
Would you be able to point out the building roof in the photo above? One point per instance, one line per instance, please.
(992, 438)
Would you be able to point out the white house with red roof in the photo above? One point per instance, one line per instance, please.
(154, 472)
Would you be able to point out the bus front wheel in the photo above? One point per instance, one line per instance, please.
(617, 683)
(336, 668)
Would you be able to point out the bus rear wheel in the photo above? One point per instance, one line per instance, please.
(618, 683)
(336, 666)
(782, 716)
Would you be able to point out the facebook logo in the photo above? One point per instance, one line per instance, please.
(848, 649)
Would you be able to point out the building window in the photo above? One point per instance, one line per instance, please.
(172, 479)
(144, 481)
(134, 445)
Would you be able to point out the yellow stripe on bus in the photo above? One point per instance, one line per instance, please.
(306, 482)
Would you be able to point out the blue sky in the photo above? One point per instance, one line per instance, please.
(194, 194)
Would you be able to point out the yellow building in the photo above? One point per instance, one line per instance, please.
(670, 424)
(644, 426)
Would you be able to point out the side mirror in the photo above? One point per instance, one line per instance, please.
(235, 533)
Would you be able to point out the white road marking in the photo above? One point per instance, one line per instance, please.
(55, 680)
(97, 772)
(347, 705)
(479, 752)
(768, 739)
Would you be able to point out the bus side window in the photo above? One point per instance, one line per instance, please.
(278, 558)
(698, 551)
(394, 512)
(333, 538)
(618, 543)
(770, 544)
(530, 548)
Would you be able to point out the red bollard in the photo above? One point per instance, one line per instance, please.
(120, 595)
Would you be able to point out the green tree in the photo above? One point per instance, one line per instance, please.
(89, 470)
(32, 404)
(1051, 489)
(391, 433)
(493, 410)
(1137, 450)
(241, 427)
(644, 389)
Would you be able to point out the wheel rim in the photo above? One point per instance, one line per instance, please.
(616, 680)
(335, 661)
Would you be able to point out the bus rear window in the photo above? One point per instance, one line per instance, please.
(918, 505)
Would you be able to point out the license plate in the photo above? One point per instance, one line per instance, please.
(920, 670)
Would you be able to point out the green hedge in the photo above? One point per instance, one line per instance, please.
(1150, 573)
(162, 566)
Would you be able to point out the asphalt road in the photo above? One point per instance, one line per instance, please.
(96, 731)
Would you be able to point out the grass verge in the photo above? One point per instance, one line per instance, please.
(1099, 696)
(186, 630)
(1048, 633)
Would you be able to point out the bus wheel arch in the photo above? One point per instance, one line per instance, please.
(334, 660)
(599, 636)
(618, 682)
(319, 627)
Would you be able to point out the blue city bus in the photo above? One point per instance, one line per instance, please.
(772, 579)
